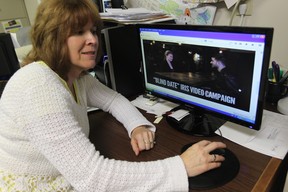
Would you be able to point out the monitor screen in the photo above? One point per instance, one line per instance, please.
(8, 59)
(217, 70)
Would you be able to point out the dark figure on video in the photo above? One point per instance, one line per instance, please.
(225, 80)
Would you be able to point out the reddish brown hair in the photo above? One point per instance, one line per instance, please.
(55, 21)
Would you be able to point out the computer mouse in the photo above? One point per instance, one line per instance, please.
(219, 151)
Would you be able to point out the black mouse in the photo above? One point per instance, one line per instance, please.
(219, 151)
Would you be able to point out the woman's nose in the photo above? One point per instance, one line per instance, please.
(92, 39)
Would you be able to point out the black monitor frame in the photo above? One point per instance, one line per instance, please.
(264, 31)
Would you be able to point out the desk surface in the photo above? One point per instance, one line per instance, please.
(111, 139)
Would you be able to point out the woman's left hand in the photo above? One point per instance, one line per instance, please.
(142, 138)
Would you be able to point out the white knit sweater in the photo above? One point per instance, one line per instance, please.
(44, 132)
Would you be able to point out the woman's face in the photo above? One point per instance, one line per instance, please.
(83, 47)
(169, 57)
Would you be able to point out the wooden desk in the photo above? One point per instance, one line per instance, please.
(111, 139)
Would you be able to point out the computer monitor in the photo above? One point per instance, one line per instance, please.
(216, 73)
(9, 63)
(219, 72)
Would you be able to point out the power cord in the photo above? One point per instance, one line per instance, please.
(242, 11)
(106, 62)
(234, 12)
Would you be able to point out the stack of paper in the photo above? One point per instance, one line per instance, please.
(135, 15)
(161, 107)
(179, 114)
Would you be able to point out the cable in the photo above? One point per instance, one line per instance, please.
(233, 12)
(106, 62)
(241, 20)
(242, 11)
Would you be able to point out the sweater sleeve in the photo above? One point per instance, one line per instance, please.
(120, 107)
(51, 125)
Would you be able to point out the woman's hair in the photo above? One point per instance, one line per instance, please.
(55, 21)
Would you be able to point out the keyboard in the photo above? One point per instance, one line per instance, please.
(2, 86)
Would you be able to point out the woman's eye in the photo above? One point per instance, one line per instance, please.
(94, 31)
(80, 32)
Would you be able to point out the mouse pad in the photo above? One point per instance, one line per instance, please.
(216, 177)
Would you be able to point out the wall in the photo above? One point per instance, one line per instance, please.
(13, 9)
(31, 6)
(265, 13)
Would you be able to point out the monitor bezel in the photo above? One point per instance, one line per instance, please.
(267, 31)
(10, 56)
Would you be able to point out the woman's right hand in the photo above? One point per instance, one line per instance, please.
(197, 158)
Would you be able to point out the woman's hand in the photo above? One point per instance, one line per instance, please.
(197, 159)
(142, 139)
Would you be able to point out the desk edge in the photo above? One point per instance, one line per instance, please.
(265, 180)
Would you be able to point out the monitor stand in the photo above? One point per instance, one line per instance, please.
(196, 122)
(216, 177)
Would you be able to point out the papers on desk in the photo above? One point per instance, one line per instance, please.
(159, 108)
(271, 139)
(134, 15)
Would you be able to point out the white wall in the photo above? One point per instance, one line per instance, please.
(265, 13)
(31, 7)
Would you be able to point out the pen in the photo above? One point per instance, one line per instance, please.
(285, 76)
(276, 70)
(124, 7)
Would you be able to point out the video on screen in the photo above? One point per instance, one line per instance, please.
(216, 74)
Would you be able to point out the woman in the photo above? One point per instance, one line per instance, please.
(44, 128)
(168, 62)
